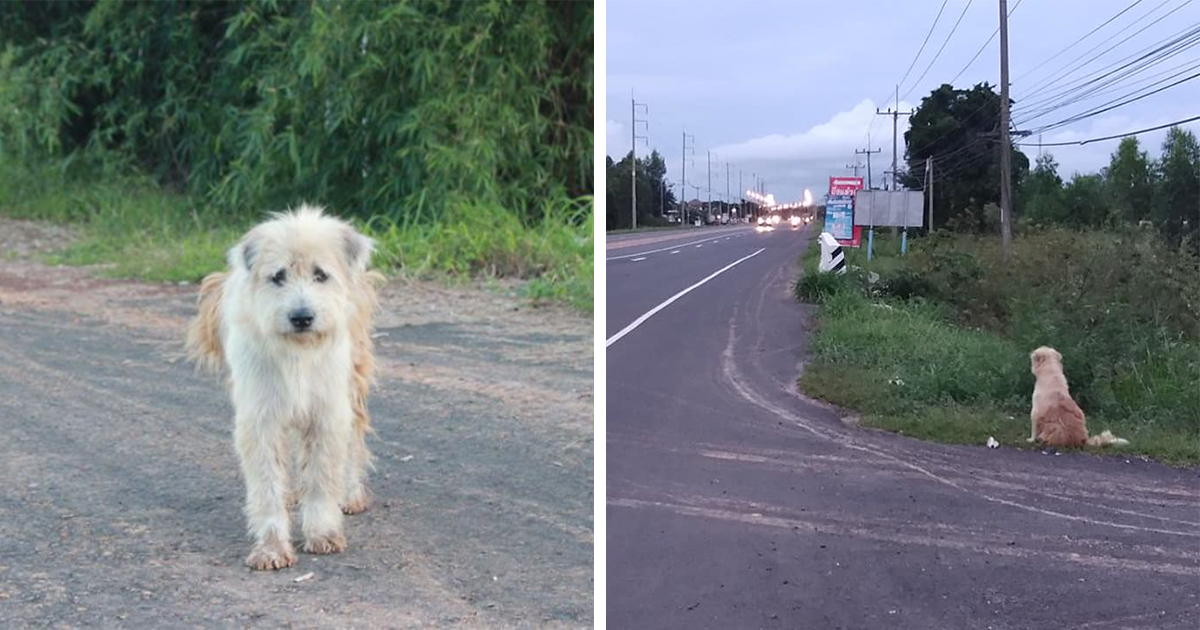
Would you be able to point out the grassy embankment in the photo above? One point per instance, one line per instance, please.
(938, 347)
(139, 229)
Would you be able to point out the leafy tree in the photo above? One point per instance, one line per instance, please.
(1130, 182)
(1042, 192)
(652, 194)
(1085, 201)
(958, 128)
(1177, 211)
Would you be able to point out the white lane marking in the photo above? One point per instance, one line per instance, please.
(650, 313)
(637, 259)
(663, 249)
(699, 246)
(675, 252)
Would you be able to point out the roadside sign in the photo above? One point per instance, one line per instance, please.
(839, 210)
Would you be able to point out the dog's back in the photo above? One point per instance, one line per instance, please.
(1060, 421)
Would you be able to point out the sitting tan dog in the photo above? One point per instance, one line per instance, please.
(1057, 420)
(290, 322)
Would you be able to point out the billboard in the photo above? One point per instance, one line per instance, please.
(896, 208)
(839, 210)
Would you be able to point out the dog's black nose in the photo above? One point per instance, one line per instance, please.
(301, 319)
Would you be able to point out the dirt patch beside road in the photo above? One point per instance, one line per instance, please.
(121, 505)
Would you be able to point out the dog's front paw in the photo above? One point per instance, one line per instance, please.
(329, 543)
(357, 502)
(271, 556)
(1030, 440)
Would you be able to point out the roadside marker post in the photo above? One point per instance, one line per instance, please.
(832, 257)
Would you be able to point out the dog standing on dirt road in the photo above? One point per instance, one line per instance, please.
(291, 320)
(1056, 419)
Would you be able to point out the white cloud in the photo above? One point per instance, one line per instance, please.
(792, 163)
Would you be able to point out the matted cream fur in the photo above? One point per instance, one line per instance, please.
(1055, 418)
(291, 321)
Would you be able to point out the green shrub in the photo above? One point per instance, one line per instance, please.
(817, 287)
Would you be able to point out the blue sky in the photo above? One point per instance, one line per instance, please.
(788, 89)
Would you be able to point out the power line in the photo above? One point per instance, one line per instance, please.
(922, 49)
(1177, 72)
(939, 52)
(1096, 112)
(1113, 137)
(984, 46)
(1156, 54)
(1072, 44)
(1069, 67)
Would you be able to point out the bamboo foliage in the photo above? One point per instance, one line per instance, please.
(392, 109)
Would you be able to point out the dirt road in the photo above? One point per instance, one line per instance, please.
(121, 501)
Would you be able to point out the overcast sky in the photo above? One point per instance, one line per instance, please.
(788, 89)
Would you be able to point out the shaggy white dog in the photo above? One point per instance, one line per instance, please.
(291, 321)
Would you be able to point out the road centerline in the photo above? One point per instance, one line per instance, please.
(650, 313)
(663, 249)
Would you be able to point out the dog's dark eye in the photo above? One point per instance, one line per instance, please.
(279, 277)
(319, 275)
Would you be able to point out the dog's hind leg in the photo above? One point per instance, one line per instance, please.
(262, 451)
(322, 478)
(358, 462)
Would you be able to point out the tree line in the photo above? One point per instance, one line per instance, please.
(958, 129)
(655, 196)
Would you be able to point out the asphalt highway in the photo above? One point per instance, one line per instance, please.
(735, 502)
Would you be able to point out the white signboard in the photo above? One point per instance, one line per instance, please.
(896, 208)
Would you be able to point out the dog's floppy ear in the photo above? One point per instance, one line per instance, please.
(1039, 356)
(244, 253)
(358, 249)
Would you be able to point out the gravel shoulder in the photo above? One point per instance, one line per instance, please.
(121, 501)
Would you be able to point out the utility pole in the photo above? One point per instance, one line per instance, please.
(709, 184)
(1005, 145)
(895, 114)
(868, 153)
(727, 197)
(683, 175)
(854, 166)
(633, 151)
(929, 188)
(741, 196)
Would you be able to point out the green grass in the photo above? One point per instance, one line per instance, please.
(956, 369)
(138, 229)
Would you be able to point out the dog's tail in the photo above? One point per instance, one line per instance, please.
(204, 333)
(1106, 438)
